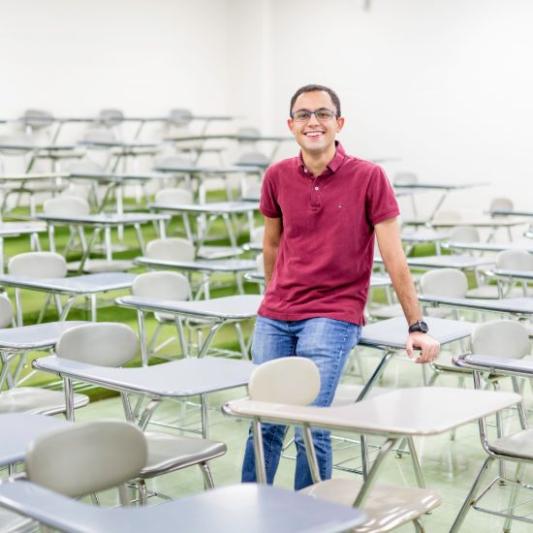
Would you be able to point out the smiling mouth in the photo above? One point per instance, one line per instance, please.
(314, 134)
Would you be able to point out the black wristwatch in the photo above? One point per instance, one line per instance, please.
(419, 325)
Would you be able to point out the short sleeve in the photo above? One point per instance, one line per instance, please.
(381, 203)
(268, 204)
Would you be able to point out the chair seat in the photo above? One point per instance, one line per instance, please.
(387, 506)
(36, 401)
(167, 453)
(347, 394)
(95, 266)
(518, 445)
(13, 523)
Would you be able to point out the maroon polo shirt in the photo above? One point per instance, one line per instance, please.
(326, 250)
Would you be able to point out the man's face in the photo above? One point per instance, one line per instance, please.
(315, 136)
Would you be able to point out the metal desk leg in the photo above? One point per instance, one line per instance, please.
(69, 399)
(369, 481)
(142, 337)
(260, 471)
(108, 245)
(205, 345)
(229, 229)
(51, 238)
(18, 307)
(204, 416)
(140, 239)
(92, 298)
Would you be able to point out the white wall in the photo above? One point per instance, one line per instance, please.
(143, 56)
(446, 86)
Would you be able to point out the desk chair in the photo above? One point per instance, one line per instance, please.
(15, 398)
(498, 350)
(291, 382)
(37, 265)
(109, 453)
(111, 344)
(518, 260)
(176, 195)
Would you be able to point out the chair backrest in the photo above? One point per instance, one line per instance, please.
(253, 158)
(37, 118)
(405, 178)
(257, 234)
(99, 343)
(169, 162)
(464, 234)
(162, 285)
(248, 131)
(501, 338)
(180, 117)
(514, 260)
(447, 216)
(87, 457)
(259, 261)
(110, 117)
(38, 265)
(290, 380)
(173, 249)
(96, 135)
(6, 312)
(500, 203)
(85, 166)
(449, 282)
(173, 195)
(66, 206)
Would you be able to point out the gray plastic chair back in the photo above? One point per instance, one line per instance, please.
(85, 166)
(501, 338)
(257, 234)
(500, 203)
(87, 457)
(450, 215)
(514, 260)
(248, 131)
(6, 312)
(99, 135)
(173, 249)
(102, 343)
(253, 158)
(464, 234)
(162, 285)
(110, 117)
(37, 118)
(449, 282)
(290, 380)
(405, 178)
(180, 117)
(66, 206)
(174, 195)
(169, 162)
(39, 265)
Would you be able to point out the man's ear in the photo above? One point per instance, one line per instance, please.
(340, 123)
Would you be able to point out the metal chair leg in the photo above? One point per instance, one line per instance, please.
(512, 497)
(208, 477)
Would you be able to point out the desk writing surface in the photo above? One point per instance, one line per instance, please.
(521, 274)
(526, 244)
(209, 208)
(411, 412)
(214, 265)
(84, 284)
(18, 430)
(20, 228)
(504, 305)
(190, 168)
(448, 261)
(238, 307)
(393, 332)
(104, 219)
(35, 336)
(186, 377)
(249, 507)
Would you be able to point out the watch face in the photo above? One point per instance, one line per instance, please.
(419, 325)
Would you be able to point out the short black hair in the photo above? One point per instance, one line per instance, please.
(312, 87)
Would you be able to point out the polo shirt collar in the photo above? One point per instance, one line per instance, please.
(334, 164)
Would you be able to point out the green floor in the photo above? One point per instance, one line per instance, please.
(449, 466)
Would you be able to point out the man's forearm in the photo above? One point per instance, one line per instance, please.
(404, 288)
(270, 254)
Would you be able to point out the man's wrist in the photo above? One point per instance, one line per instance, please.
(419, 326)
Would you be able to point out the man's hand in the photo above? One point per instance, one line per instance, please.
(429, 347)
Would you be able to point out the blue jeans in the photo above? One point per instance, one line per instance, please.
(325, 341)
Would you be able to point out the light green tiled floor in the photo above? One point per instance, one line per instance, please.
(449, 466)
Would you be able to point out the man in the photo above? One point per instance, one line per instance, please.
(322, 211)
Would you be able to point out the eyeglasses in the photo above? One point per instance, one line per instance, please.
(322, 115)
